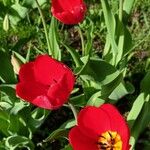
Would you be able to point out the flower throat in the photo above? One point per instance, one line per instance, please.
(109, 140)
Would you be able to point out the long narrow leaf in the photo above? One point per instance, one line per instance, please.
(53, 39)
(110, 24)
(127, 7)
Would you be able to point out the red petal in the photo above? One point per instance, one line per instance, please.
(64, 5)
(93, 121)
(79, 12)
(66, 17)
(43, 102)
(30, 90)
(26, 72)
(117, 124)
(36, 96)
(59, 92)
(48, 69)
(68, 80)
(79, 141)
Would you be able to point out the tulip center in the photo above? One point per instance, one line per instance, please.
(109, 140)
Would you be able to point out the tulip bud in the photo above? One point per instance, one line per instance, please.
(69, 11)
(6, 23)
(15, 63)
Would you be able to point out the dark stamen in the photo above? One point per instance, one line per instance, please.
(100, 143)
(110, 135)
(102, 136)
(112, 139)
(105, 147)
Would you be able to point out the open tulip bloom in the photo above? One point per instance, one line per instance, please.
(45, 82)
(68, 11)
(100, 128)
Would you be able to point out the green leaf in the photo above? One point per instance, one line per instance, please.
(68, 124)
(106, 52)
(13, 127)
(21, 58)
(22, 11)
(53, 39)
(121, 90)
(83, 61)
(141, 122)
(38, 116)
(127, 47)
(145, 86)
(17, 13)
(6, 23)
(6, 74)
(89, 35)
(78, 100)
(9, 101)
(75, 90)
(56, 134)
(109, 88)
(17, 141)
(136, 109)
(98, 75)
(32, 3)
(18, 106)
(121, 38)
(75, 55)
(127, 6)
(2, 147)
(68, 147)
(124, 40)
(95, 100)
(7, 2)
(110, 24)
(24, 128)
(4, 122)
(99, 72)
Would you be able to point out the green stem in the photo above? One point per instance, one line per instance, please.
(82, 41)
(120, 10)
(28, 53)
(74, 112)
(45, 29)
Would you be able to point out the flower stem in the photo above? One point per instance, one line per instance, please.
(120, 9)
(74, 112)
(45, 29)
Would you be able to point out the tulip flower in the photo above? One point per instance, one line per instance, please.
(45, 82)
(68, 11)
(101, 128)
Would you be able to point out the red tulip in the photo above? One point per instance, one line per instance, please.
(45, 82)
(100, 128)
(68, 11)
